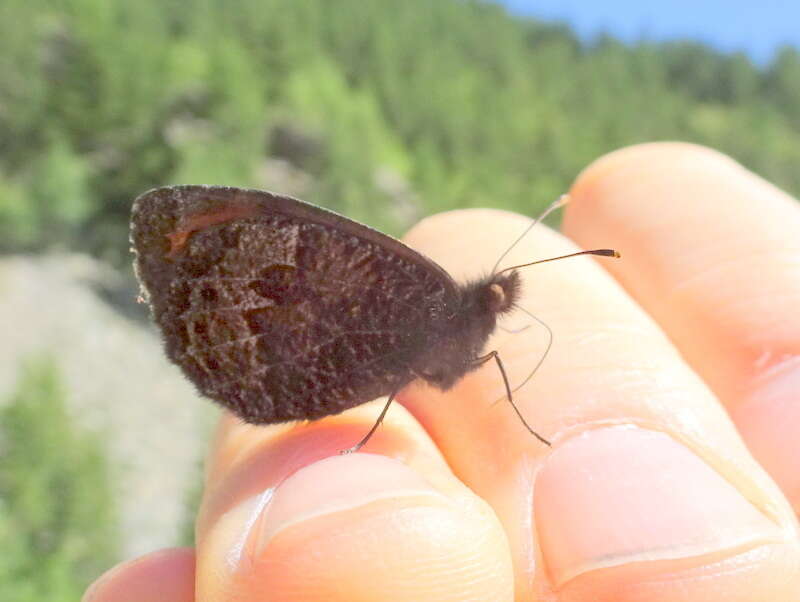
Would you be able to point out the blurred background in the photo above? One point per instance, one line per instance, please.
(385, 111)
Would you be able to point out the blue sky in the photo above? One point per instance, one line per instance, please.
(754, 27)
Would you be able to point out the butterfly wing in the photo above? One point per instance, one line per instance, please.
(280, 310)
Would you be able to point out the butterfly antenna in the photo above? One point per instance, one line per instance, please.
(544, 353)
(557, 204)
(538, 365)
(515, 330)
(600, 252)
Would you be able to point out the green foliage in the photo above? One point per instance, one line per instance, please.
(57, 519)
(102, 99)
(19, 218)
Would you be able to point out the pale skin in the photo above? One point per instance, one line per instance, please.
(671, 398)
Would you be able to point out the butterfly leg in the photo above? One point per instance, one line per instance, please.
(360, 444)
(494, 355)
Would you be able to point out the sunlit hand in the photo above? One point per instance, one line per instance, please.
(648, 492)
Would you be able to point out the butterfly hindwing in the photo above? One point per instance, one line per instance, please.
(280, 310)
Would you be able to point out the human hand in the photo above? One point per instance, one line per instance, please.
(648, 492)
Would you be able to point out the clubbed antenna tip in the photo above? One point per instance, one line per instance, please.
(606, 253)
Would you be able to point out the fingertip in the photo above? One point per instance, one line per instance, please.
(471, 219)
(166, 575)
(356, 527)
(667, 504)
(711, 252)
(637, 159)
(468, 242)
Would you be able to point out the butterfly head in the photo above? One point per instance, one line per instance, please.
(452, 351)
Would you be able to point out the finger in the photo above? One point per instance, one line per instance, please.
(166, 575)
(713, 253)
(647, 492)
(285, 517)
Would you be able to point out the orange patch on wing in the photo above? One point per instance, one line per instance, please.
(201, 221)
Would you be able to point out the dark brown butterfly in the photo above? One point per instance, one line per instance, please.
(280, 310)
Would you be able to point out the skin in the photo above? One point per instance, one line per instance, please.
(670, 397)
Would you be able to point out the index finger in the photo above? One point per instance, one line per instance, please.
(647, 492)
(713, 253)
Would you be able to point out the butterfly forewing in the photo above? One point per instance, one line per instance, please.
(280, 310)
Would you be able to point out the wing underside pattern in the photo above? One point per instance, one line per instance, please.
(280, 318)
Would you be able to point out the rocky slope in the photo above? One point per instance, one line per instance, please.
(118, 383)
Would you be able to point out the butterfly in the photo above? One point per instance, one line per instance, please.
(280, 310)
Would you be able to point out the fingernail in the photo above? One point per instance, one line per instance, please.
(617, 495)
(769, 422)
(335, 484)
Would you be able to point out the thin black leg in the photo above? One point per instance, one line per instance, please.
(496, 356)
(360, 444)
